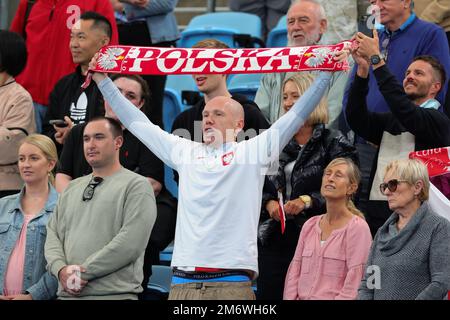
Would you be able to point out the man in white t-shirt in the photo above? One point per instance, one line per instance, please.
(220, 188)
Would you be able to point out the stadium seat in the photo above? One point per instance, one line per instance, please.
(169, 183)
(236, 29)
(160, 279)
(245, 84)
(277, 37)
(173, 105)
(165, 256)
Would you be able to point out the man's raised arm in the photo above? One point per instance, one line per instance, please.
(167, 147)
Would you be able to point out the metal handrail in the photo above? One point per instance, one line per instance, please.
(211, 5)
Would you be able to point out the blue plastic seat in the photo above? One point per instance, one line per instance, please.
(245, 84)
(172, 103)
(223, 26)
(165, 256)
(169, 183)
(172, 107)
(160, 279)
(277, 37)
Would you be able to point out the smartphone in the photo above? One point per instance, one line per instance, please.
(363, 26)
(59, 123)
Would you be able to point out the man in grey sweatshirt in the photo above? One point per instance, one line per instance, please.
(101, 225)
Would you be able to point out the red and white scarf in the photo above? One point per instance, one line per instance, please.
(149, 60)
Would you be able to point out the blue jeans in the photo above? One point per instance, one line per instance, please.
(39, 114)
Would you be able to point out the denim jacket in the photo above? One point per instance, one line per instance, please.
(160, 19)
(36, 279)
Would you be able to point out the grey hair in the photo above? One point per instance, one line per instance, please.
(411, 170)
(322, 14)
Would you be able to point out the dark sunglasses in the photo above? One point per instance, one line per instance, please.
(89, 191)
(391, 185)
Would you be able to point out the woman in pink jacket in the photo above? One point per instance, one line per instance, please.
(332, 249)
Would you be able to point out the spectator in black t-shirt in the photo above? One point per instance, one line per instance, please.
(134, 156)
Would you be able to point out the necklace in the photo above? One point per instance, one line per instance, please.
(8, 83)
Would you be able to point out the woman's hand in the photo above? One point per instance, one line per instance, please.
(294, 207)
(272, 207)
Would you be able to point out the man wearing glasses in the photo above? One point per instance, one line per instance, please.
(413, 123)
(101, 224)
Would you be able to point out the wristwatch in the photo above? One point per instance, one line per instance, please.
(306, 200)
(375, 59)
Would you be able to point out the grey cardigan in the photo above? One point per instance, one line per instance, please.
(413, 264)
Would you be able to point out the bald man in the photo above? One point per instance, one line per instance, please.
(220, 190)
(222, 120)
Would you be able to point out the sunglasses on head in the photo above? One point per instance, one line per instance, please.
(391, 185)
(90, 188)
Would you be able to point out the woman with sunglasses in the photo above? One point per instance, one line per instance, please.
(410, 255)
(23, 220)
(332, 248)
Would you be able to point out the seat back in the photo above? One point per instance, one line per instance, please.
(160, 279)
(245, 84)
(277, 37)
(224, 26)
(173, 105)
(173, 97)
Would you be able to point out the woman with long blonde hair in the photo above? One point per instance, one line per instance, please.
(298, 179)
(333, 248)
(23, 219)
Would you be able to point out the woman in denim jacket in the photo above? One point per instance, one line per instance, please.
(23, 219)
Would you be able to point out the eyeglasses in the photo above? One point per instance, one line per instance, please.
(89, 191)
(391, 185)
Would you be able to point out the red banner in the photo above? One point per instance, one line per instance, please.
(437, 160)
(149, 60)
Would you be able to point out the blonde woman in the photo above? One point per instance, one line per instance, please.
(332, 249)
(23, 219)
(411, 251)
(299, 175)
